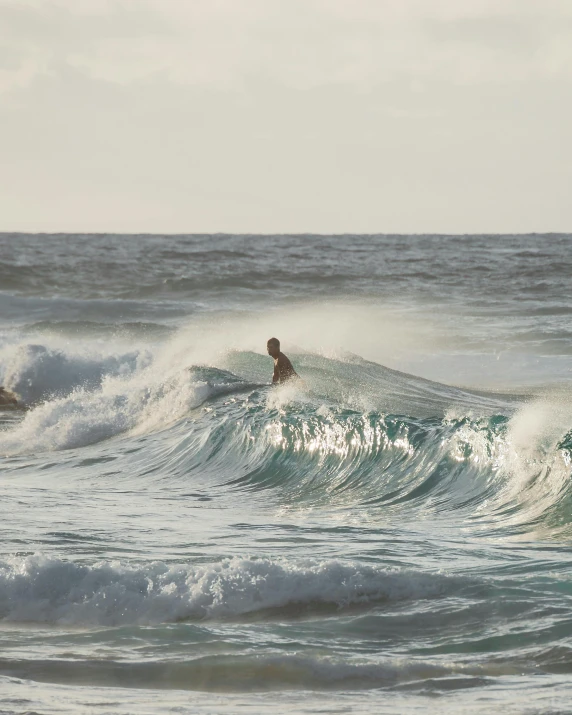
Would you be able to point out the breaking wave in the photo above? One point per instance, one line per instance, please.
(399, 443)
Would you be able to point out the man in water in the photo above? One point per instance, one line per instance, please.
(283, 370)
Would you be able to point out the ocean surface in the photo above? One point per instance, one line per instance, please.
(391, 535)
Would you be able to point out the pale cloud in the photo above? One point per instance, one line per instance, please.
(285, 115)
(301, 43)
(40, 35)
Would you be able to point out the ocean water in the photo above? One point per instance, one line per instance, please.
(391, 535)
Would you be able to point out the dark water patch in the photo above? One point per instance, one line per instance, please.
(90, 461)
(227, 674)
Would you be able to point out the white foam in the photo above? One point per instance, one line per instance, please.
(539, 470)
(38, 372)
(88, 394)
(282, 395)
(46, 590)
(523, 458)
(139, 404)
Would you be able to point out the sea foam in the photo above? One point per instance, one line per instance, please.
(80, 398)
(39, 589)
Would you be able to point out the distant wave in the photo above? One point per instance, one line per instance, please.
(94, 329)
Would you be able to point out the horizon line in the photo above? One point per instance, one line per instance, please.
(284, 233)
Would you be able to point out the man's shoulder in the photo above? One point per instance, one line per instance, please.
(283, 359)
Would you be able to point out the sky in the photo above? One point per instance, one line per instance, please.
(286, 116)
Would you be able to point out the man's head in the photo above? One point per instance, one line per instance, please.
(273, 347)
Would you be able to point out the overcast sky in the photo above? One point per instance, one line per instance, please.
(326, 116)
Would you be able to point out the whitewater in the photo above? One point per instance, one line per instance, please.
(392, 534)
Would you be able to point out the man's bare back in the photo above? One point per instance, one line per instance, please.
(283, 370)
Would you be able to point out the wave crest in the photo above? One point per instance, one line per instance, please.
(47, 590)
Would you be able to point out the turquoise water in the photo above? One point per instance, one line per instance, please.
(391, 535)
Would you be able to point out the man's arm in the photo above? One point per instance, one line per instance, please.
(276, 374)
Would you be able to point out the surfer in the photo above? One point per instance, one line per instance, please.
(283, 370)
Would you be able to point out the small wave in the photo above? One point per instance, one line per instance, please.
(38, 589)
(261, 673)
